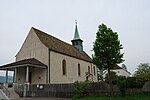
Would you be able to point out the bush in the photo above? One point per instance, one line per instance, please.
(81, 89)
(122, 84)
(133, 82)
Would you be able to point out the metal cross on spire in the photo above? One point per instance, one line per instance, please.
(76, 22)
(76, 34)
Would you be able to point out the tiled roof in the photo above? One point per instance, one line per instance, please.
(31, 62)
(60, 46)
(118, 67)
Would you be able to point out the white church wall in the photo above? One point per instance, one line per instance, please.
(71, 69)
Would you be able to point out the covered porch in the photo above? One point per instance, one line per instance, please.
(29, 71)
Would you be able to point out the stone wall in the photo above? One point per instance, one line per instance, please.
(45, 90)
(67, 90)
(61, 90)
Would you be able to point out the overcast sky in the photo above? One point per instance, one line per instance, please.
(130, 18)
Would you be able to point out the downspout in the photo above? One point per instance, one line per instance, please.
(49, 64)
(92, 71)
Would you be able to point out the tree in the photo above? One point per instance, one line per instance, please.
(113, 77)
(107, 50)
(124, 66)
(143, 72)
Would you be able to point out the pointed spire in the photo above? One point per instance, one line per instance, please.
(77, 42)
(76, 34)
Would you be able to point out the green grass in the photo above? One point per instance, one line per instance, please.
(129, 97)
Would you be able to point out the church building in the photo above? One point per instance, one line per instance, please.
(45, 59)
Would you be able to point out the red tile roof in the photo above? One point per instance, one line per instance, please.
(118, 67)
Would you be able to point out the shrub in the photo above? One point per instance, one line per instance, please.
(133, 82)
(122, 84)
(81, 88)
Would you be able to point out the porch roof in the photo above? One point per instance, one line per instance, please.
(26, 62)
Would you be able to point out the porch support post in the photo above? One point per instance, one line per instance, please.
(15, 74)
(27, 74)
(6, 77)
(26, 84)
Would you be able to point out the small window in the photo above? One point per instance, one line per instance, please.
(73, 43)
(89, 69)
(79, 70)
(64, 67)
(94, 70)
(77, 43)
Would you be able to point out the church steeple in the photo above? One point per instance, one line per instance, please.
(77, 42)
(76, 34)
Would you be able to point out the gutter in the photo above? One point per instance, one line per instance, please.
(49, 65)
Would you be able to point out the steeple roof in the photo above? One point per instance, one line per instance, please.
(76, 34)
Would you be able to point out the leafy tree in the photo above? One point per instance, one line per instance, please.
(124, 66)
(107, 50)
(143, 72)
(113, 77)
(100, 75)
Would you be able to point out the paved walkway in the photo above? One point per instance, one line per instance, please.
(43, 98)
(3, 96)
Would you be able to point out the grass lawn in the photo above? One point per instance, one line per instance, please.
(129, 97)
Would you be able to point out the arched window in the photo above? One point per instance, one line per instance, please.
(94, 69)
(89, 69)
(64, 67)
(79, 70)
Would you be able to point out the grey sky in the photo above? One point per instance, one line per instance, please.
(130, 18)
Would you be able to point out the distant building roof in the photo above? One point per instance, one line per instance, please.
(60, 46)
(118, 67)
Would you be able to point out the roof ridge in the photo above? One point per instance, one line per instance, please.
(60, 46)
(56, 38)
(52, 36)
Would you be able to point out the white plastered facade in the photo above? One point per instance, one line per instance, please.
(34, 48)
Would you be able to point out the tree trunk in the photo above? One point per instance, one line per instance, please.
(110, 83)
